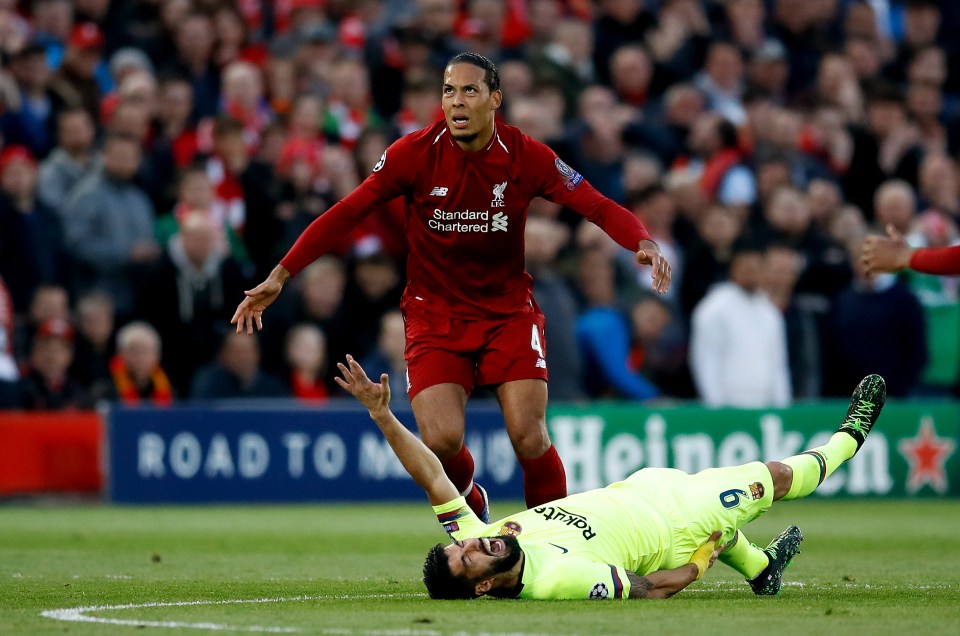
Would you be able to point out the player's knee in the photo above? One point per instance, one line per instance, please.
(530, 442)
(443, 442)
(782, 478)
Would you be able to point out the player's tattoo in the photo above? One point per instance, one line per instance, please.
(640, 586)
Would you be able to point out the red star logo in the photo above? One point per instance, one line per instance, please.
(927, 455)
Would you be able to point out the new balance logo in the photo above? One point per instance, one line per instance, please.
(439, 192)
(499, 222)
(542, 364)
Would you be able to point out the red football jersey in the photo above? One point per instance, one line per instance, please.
(465, 217)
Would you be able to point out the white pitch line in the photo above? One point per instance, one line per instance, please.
(80, 614)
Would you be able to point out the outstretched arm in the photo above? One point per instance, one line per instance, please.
(417, 459)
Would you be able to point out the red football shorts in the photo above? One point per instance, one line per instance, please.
(472, 353)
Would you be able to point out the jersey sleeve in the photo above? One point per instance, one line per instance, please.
(389, 179)
(459, 521)
(937, 260)
(561, 184)
(570, 577)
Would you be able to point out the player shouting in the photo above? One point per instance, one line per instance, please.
(648, 536)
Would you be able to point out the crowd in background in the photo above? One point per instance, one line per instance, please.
(158, 157)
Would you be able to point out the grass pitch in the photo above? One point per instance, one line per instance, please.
(867, 568)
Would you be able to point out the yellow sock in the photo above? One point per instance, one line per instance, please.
(811, 467)
(744, 557)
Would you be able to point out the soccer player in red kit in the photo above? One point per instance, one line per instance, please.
(891, 254)
(470, 316)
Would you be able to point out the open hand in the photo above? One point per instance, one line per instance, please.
(374, 397)
(886, 253)
(649, 254)
(250, 311)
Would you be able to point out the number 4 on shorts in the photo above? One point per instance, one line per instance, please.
(535, 341)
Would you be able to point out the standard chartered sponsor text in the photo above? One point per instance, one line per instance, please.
(444, 221)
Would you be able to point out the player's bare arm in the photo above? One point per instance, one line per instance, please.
(666, 583)
(417, 459)
(648, 253)
(886, 253)
(250, 311)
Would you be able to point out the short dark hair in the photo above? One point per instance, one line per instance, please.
(440, 581)
(727, 133)
(226, 125)
(491, 77)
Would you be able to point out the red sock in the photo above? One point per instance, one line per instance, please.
(543, 478)
(459, 469)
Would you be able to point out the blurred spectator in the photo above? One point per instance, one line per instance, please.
(605, 337)
(52, 22)
(618, 22)
(895, 204)
(31, 124)
(350, 105)
(939, 186)
(718, 163)
(707, 259)
(175, 126)
(876, 326)
(631, 72)
(31, 235)
(189, 295)
(783, 265)
(244, 194)
(193, 38)
(373, 288)
(940, 298)
(306, 357)
(75, 84)
(768, 70)
(387, 357)
(94, 344)
(235, 373)
(722, 81)
(543, 240)
(319, 300)
(826, 267)
(738, 340)
(8, 363)
(49, 302)
(243, 99)
(889, 147)
(657, 211)
(47, 385)
(108, 223)
(136, 371)
(73, 159)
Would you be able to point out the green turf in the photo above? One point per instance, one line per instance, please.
(867, 569)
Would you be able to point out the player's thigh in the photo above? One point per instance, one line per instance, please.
(440, 413)
(723, 499)
(438, 350)
(524, 406)
(515, 349)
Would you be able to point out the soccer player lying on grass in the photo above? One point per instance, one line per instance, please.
(648, 536)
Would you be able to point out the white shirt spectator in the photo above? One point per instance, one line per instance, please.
(738, 349)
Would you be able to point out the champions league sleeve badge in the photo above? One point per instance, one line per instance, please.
(571, 177)
(599, 590)
(383, 160)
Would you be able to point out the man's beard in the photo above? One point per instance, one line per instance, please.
(508, 560)
(466, 137)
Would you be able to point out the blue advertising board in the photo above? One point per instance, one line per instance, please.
(238, 454)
